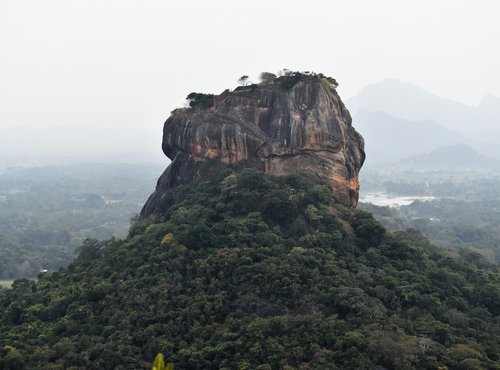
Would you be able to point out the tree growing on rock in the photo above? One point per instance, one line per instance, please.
(243, 80)
(267, 77)
(200, 100)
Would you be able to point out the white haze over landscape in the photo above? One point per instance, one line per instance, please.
(94, 81)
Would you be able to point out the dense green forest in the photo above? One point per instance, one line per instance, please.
(46, 212)
(247, 271)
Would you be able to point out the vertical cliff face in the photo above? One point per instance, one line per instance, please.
(275, 127)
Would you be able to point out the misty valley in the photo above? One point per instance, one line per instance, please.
(46, 212)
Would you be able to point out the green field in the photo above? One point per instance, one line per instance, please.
(6, 283)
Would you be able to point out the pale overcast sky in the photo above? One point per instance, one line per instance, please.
(123, 63)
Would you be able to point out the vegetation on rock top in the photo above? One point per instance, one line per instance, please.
(286, 79)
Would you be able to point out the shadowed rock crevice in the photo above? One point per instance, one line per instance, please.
(302, 129)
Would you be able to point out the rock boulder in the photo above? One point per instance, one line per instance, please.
(278, 127)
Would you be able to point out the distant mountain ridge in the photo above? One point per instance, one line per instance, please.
(411, 102)
(453, 156)
(389, 139)
(490, 105)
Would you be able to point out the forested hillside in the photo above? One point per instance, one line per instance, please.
(248, 271)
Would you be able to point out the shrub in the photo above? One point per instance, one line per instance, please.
(200, 100)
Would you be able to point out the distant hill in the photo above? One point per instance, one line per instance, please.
(490, 106)
(454, 156)
(389, 139)
(411, 102)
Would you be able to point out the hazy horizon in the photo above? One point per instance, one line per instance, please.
(128, 63)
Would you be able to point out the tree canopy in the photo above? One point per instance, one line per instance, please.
(267, 77)
(200, 100)
(243, 80)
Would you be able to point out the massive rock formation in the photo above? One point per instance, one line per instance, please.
(280, 127)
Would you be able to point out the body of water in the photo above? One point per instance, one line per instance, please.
(382, 199)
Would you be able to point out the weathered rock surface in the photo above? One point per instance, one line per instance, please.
(305, 128)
